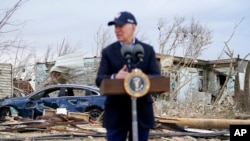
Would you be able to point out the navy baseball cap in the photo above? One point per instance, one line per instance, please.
(123, 18)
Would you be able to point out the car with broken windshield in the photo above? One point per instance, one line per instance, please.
(73, 97)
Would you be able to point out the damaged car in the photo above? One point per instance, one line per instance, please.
(73, 97)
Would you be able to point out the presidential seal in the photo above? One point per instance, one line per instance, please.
(136, 84)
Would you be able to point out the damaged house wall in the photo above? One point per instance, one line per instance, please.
(197, 82)
(71, 68)
(242, 86)
(6, 80)
(42, 72)
(193, 86)
(217, 78)
(90, 69)
(247, 88)
(12, 87)
(188, 79)
(210, 76)
(238, 82)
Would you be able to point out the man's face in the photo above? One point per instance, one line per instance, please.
(124, 33)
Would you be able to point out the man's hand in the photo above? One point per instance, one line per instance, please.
(123, 72)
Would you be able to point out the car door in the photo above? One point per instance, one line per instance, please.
(76, 100)
(53, 96)
(47, 98)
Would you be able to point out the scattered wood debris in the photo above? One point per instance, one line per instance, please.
(77, 125)
(64, 127)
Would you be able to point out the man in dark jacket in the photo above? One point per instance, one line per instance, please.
(117, 117)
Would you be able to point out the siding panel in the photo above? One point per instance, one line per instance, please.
(5, 80)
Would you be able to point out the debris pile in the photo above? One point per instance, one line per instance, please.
(65, 125)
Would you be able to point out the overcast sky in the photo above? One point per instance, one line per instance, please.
(48, 22)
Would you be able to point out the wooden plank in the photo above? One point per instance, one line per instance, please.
(202, 123)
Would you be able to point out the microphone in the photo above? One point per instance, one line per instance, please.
(138, 52)
(126, 52)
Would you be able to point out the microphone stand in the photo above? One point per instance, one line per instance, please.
(134, 118)
(131, 65)
(133, 107)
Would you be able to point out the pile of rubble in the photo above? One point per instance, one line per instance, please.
(171, 125)
(72, 126)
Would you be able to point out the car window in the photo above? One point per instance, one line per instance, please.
(79, 92)
(69, 92)
(53, 93)
(88, 93)
(46, 93)
(58, 92)
(83, 92)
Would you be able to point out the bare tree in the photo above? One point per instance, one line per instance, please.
(7, 46)
(165, 35)
(18, 53)
(102, 38)
(15, 50)
(23, 63)
(189, 38)
(8, 14)
(142, 36)
(62, 48)
(233, 70)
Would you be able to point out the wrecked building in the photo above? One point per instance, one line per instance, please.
(205, 81)
(71, 68)
(6, 84)
(231, 77)
(191, 80)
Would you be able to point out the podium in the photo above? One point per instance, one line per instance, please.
(157, 85)
(115, 86)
